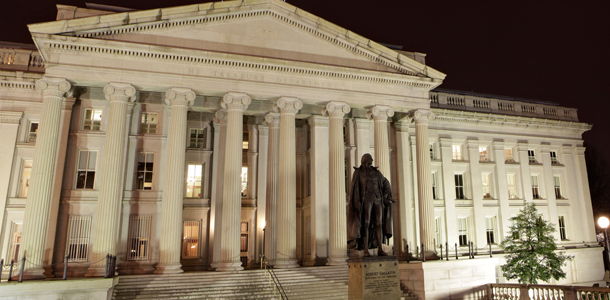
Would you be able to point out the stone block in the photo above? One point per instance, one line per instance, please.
(437, 274)
(376, 277)
(460, 273)
(447, 284)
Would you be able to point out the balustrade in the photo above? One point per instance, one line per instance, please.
(545, 292)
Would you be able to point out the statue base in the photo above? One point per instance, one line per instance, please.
(375, 277)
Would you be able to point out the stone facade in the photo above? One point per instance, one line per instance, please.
(200, 137)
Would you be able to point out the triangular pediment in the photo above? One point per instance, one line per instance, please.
(263, 28)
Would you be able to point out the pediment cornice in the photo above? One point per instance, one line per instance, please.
(107, 26)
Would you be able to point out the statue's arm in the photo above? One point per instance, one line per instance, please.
(387, 192)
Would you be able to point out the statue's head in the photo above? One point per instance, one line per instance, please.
(367, 160)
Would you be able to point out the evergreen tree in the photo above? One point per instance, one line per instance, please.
(531, 250)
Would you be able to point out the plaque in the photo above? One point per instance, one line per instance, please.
(376, 277)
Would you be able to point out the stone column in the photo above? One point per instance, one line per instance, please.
(526, 176)
(380, 114)
(9, 127)
(220, 139)
(252, 160)
(36, 218)
(449, 190)
(337, 210)
(549, 184)
(261, 191)
(273, 121)
(286, 214)
(404, 204)
(502, 184)
(362, 135)
(477, 193)
(424, 189)
(235, 104)
(108, 210)
(173, 190)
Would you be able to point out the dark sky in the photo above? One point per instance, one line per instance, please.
(555, 51)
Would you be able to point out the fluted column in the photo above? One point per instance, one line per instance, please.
(220, 118)
(252, 160)
(337, 211)
(286, 214)
(36, 218)
(235, 104)
(273, 121)
(424, 182)
(173, 190)
(111, 180)
(380, 114)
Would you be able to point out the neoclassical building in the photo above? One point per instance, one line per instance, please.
(200, 137)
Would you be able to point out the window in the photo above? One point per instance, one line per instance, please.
(93, 119)
(145, 170)
(33, 132)
(490, 228)
(197, 138)
(26, 172)
(244, 182)
(245, 140)
(531, 155)
(77, 244)
(244, 237)
(562, 228)
(434, 186)
(191, 238)
(557, 183)
(148, 124)
(512, 186)
(459, 186)
(483, 155)
(437, 228)
(508, 155)
(554, 160)
(85, 172)
(463, 231)
(485, 179)
(138, 238)
(15, 243)
(457, 152)
(193, 181)
(535, 188)
(431, 151)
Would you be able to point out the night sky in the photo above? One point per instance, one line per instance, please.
(556, 51)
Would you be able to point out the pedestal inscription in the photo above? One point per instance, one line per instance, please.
(374, 277)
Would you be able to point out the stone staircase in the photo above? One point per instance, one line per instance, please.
(301, 283)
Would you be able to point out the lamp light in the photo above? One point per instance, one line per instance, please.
(603, 222)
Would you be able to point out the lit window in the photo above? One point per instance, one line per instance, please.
(85, 172)
(463, 231)
(191, 238)
(512, 186)
(145, 170)
(535, 187)
(26, 172)
(437, 228)
(33, 132)
(148, 123)
(193, 181)
(93, 119)
(531, 155)
(138, 238)
(554, 160)
(245, 140)
(457, 152)
(15, 244)
(562, 228)
(486, 181)
(483, 155)
(77, 244)
(197, 138)
(434, 185)
(557, 182)
(459, 186)
(508, 155)
(490, 227)
(244, 181)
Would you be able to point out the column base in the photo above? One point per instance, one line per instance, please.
(169, 269)
(286, 264)
(229, 266)
(31, 274)
(95, 271)
(337, 261)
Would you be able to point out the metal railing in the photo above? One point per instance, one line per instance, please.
(277, 286)
(109, 272)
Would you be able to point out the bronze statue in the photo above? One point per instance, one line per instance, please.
(369, 220)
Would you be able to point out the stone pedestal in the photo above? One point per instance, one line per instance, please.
(376, 277)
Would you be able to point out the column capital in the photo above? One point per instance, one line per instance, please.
(336, 109)
(235, 101)
(380, 113)
(545, 147)
(522, 146)
(272, 120)
(580, 150)
(318, 121)
(263, 129)
(473, 144)
(566, 149)
(9, 117)
(498, 144)
(220, 116)
(402, 126)
(445, 142)
(422, 116)
(118, 91)
(51, 86)
(177, 96)
(288, 105)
